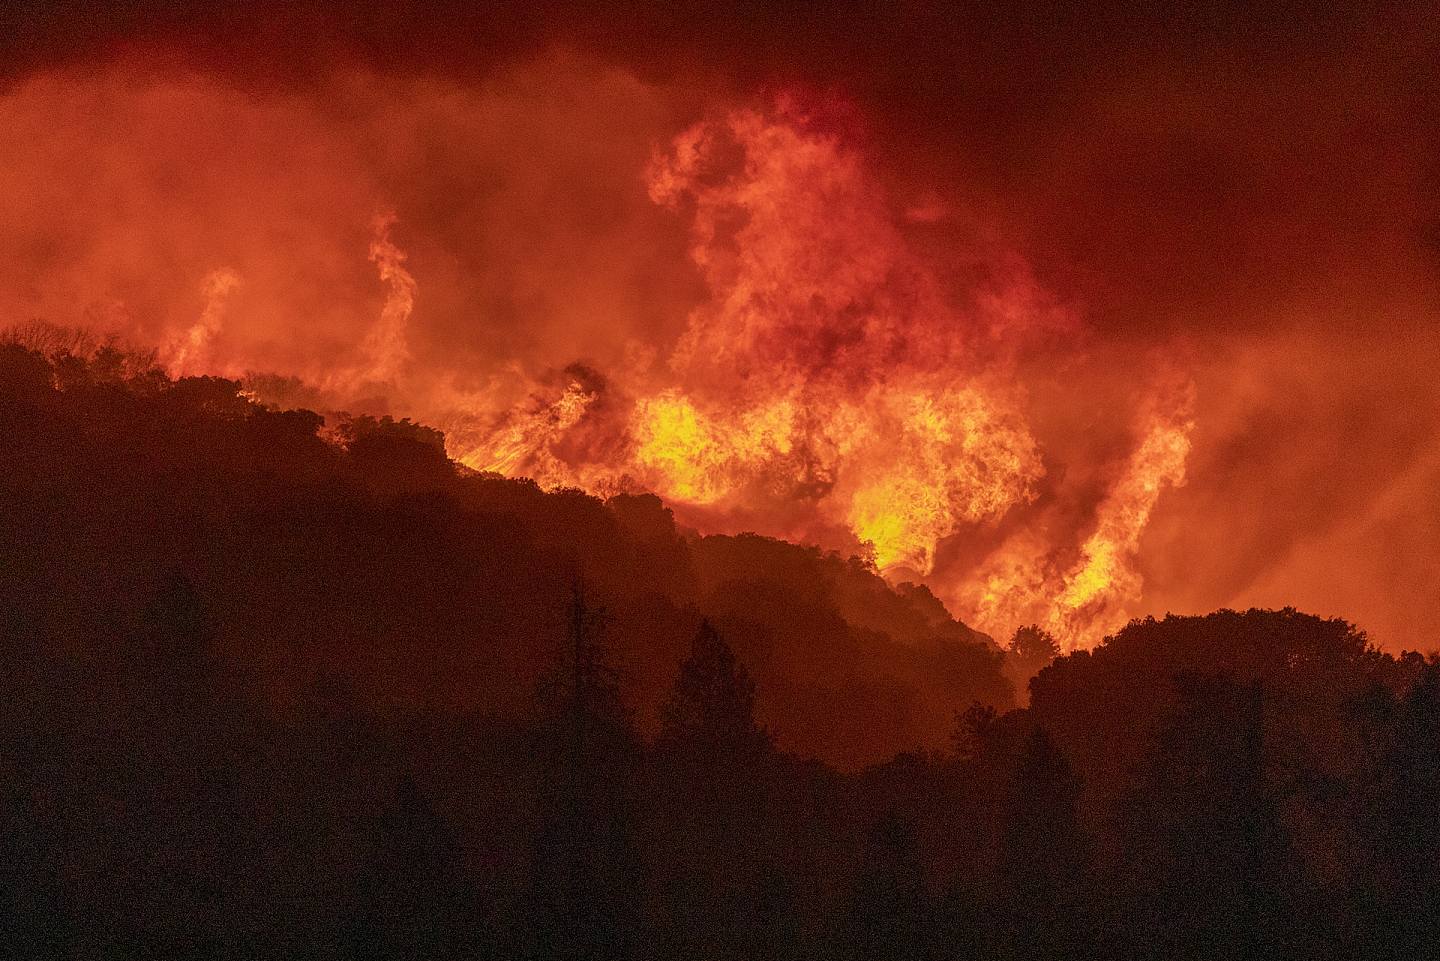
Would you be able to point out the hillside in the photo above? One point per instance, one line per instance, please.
(356, 552)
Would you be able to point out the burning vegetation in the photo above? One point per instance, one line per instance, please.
(826, 388)
(374, 704)
(499, 481)
(754, 304)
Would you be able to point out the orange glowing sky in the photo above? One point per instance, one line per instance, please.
(1072, 335)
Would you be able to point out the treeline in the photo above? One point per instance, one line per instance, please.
(355, 548)
(269, 694)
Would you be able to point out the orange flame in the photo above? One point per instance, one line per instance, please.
(191, 353)
(829, 388)
(1080, 604)
(386, 345)
(828, 384)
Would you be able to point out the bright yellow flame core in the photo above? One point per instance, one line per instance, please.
(697, 458)
(677, 443)
(826, 385)
(907, 466)
(1020, 582)
(946, 459)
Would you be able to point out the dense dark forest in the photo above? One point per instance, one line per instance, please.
(279, 686)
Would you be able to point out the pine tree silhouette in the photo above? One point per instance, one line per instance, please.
(711, 711)
(1045, 858)
(585, 869)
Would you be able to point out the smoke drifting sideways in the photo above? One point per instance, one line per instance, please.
(782, 315)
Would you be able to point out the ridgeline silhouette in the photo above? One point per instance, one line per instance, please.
(282, 689)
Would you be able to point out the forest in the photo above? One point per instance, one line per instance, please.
(286, 686)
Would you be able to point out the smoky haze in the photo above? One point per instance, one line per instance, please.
(1222, 238)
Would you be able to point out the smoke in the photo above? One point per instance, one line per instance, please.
(1114, 341)
(830, 389)
(386, 343)
(190, 354)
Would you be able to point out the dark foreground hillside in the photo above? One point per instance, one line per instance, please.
(370, 560)
(278, 692)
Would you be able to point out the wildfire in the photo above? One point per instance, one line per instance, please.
(700, 459)
(191, 353)
(944, 459)
(1023, 582)
(828, 388)
(1103, 571)
(523, 446)
(386, 345)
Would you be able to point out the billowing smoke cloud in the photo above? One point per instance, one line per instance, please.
(1123, 343)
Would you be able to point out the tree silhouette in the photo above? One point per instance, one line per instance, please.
(585, 869)
(412, 898)
(580, 696)
(720, 894)
(1046, 862)
(974, 730)
(235, 649)
(1209, 861)
(711, 711)
(890, 914)
(1030, 650)
(1403, 783)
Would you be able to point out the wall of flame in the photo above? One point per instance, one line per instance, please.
(748, 303)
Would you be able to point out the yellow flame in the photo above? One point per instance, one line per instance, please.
(1105, 574)
(938, 460)
(697, 458)
(1080, 603)
(677, 443)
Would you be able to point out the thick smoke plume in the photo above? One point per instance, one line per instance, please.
(830, 389)
(1158, 345)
